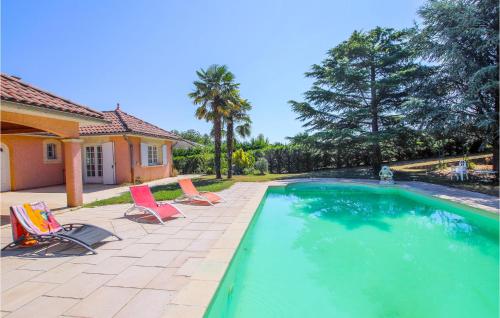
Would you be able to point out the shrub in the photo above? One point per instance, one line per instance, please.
(258, 154)
(192, 164)
(195, 160)
(262, 166)
(247, 171)
(471, 165)
(441, 165)
(242, 160)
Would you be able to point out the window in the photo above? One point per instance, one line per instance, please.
(93, 160)
(51, 151)
(90, 161)
(153, 159)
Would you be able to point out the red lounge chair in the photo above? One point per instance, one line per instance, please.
(193, 195)
(40, 225)
(145, 202)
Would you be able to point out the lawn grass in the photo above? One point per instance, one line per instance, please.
(402, 172)
(205, 183)
(169, 191)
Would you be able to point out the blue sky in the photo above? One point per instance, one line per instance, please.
(144, 54)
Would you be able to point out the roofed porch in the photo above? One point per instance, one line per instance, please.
(24, 160)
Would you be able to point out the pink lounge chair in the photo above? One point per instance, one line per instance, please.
(193, 195)
(145, 202)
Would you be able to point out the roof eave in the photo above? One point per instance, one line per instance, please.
(130, 133)
(28, 109)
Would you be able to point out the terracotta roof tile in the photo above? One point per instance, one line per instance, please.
(13, 90)
(121, 122)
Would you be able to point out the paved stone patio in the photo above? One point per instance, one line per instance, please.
(156, 271)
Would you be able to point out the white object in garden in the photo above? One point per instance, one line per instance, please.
(385, 175)
(460, 171)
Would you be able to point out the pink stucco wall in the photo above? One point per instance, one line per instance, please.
(154, 172)
(28, 169)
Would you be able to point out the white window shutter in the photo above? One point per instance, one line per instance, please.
(165, 158)
(144, 154)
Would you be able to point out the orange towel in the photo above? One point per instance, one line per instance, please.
(37, 218)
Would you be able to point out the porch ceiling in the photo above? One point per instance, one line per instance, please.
(11, 128)
(17, 122)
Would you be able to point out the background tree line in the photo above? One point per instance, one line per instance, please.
(381, 95)
(305, 153)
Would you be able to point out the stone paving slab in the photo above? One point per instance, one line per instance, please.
(104, 302)
(80, 286)
(147, 303)
(45, 307)
(135, 277)
(170, 270)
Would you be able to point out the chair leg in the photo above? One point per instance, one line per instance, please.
(13, 244)
(202, 198)
(129, 210)
(179, 210)
(155, 215)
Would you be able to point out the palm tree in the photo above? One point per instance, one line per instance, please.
(237, 113)
(213, 91)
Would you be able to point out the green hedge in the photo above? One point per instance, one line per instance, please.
(196, 161)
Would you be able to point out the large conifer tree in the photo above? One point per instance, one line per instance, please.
(360, 87)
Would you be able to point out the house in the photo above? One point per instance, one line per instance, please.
(40, 138)
(48, 140)
(125, 150)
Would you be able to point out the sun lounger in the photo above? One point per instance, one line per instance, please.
(36, 222)
(193, 195)
(145, 202)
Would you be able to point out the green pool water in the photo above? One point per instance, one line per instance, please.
(336, 250)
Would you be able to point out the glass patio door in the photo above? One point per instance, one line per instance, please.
(93, 164)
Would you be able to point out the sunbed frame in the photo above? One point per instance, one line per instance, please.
(186, 197)
(149, 210)
(84, 235)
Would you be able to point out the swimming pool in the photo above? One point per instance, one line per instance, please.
(344, 250)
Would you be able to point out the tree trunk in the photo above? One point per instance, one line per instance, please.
(217, 142)
(495, 135)
(376, 154)
(230, 143)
